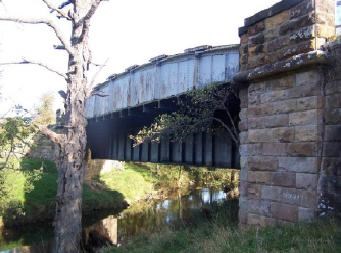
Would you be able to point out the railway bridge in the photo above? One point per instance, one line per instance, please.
(135, 97)
(290, 120)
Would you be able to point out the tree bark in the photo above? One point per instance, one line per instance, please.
(71, 160)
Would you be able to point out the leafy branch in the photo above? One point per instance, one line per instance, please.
(216, 106)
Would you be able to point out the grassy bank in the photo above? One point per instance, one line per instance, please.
(319, 237)
(139, 180)
(28, 190)
(27, 193)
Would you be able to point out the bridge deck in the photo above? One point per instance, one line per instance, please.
(164, 77)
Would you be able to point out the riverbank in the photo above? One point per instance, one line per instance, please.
(218, 237)
(27, 192)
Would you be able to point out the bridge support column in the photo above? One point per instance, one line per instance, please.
(287, 158)
(189, 152)
(223, 149)
(121, 146)
(145, 152)
(128, 150)
(176, 152)
(164, 146)
(154, 153)
(208, 143)
(198, 149)
(137, 153)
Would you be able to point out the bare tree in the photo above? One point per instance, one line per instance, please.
(72, 143)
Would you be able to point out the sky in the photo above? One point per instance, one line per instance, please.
(123, 33)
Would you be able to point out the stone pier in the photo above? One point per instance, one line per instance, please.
(290, 117)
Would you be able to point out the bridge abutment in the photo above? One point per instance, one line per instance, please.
(290, 114)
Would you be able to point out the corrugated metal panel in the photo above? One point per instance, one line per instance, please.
(168, 80)
(107, 98)
(232, 64)
(185, 75)
(218, 67)
(121, 92)
(170, 76)
(134, 87)
(142, 86)
(205, 70)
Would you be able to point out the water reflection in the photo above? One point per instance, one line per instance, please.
(142, 218)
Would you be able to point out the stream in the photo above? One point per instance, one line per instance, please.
(107, 229)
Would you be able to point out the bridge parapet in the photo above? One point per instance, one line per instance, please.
(164, 77)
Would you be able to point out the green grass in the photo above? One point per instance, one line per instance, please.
(28, 194)
(133, 182)
(318, 237)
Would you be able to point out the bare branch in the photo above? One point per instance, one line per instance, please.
(99, 94)
(97, 73)
(35, 63)
(97, 64)
(53, 8)
(91, 11)
(59, 47)
(47, 22)
(234, 128)
(66, 3)
(85, 21)
(54, 137)
(233, 136)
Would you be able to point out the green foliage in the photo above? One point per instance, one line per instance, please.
(26, 190)
(321, 236)
(215, 106)
(177, 176)
(45, 113)
(14, 135)
(216, 177)
(12, 185)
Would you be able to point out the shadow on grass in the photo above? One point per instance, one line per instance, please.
(28, 220)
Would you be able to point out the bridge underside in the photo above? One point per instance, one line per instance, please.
(108, 138)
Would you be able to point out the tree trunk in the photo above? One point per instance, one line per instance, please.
(71, 168)
(72, 163)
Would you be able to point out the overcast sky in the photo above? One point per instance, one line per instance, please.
(126, 32)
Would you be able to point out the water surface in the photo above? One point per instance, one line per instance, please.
(106, 229)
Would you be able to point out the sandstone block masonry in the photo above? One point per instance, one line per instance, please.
(290, 117)
(288, 28)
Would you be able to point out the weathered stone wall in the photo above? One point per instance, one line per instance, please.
(330, 176)
(290, 117)
(288, 28)
(42, 148)
(97, 166)
(280, 148)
